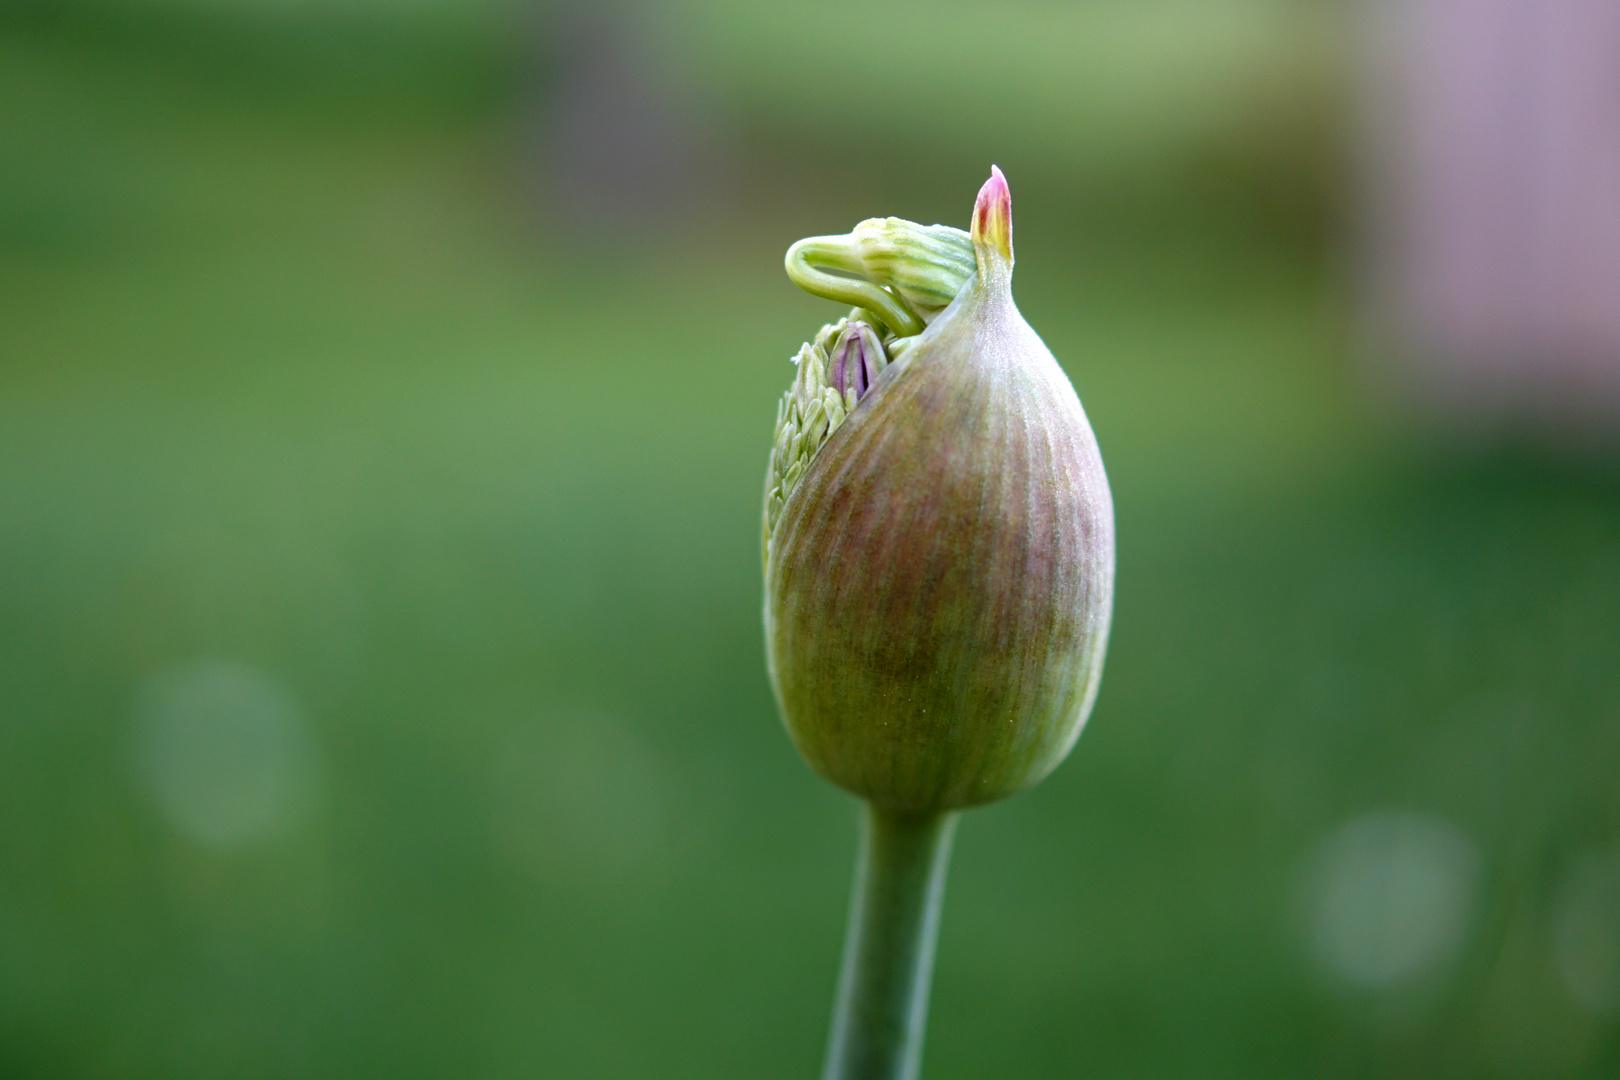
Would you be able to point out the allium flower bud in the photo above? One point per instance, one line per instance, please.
(939, 535)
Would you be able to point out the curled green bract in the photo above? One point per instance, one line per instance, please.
(808, 262)
(893, 270)
(927, 265)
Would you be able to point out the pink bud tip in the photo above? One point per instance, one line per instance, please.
(992, 214)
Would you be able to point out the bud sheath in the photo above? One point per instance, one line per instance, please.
(940, 578)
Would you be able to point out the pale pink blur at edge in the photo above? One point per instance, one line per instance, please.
(1495, 125)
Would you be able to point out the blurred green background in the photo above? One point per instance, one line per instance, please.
(384, 395)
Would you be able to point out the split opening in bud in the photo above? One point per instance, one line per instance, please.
(835, 372)
(898, 276)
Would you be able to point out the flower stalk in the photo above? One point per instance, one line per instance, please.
(882, 1004)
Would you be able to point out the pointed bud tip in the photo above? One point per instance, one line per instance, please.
(992, 214)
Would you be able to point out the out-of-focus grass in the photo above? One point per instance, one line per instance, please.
(292, 390)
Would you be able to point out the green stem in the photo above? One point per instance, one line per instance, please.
(882, 1007)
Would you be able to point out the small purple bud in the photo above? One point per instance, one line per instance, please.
(856, 360)
(837, 365)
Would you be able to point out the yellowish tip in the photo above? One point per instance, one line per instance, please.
(992, 214)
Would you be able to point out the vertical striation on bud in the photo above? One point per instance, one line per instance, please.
(938, 533)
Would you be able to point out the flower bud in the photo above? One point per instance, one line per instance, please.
(939, 539)
(896, 272)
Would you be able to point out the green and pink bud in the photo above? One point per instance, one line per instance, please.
(938, 529)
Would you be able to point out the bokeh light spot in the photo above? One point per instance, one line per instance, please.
(225, 751)
(1392, 897)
